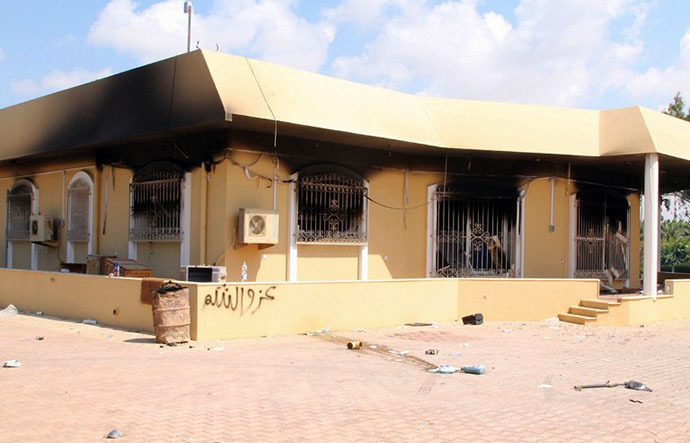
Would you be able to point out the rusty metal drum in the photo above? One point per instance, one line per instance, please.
(171, 318)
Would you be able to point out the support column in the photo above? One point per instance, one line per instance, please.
(651, 223)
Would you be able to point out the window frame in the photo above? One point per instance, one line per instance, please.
(85, 178)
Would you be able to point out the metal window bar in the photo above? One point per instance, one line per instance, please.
(78, 202)
(19, 213)
(602, 240)
(331, 209)
(155, 206)
(475, 237)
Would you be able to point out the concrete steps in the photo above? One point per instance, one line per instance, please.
(588, 311)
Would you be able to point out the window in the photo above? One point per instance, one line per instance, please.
(79, 197)
(474, 235)
(602, 239)
(20, 199)
(331, 208)
(155, 203)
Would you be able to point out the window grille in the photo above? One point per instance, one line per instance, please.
(475, 237)
(78, 203)
(155, 199)
(331, 209)
(19, 201)
(602, 241)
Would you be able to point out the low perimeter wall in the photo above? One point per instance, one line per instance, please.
(110, 301)
(233, 310)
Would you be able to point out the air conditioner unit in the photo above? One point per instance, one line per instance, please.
(42, 229)
(203, 273)
(258, 226)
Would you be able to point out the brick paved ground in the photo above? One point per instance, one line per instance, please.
(82, 381)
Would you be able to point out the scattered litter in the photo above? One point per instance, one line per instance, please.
(90, 321)
(417, 323)
(435, 325)
(636, 401)
(444, 369)
(115, 433)
(474, 319)
(476, 370)
(544, 386)
(191, 347)
(464, 345)
(12, 364)
(39, 337)
(454, 354)
(402, 327)
(398, 360)
(552, 321)
(219, 348)
(373, 346)
(354, 345)
(405, 352)
(332, 335)
(432, 351)
(508, 331)
(39, 312)
(360, 330)
(632, 384)
(9, 311)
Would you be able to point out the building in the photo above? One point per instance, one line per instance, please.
(207, 158)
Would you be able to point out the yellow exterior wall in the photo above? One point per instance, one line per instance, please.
(114, 241)
(546, 253)
(111, 301)
(635, 241)
(522, 299)
(306, 306)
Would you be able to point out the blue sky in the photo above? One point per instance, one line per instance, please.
(585, 53)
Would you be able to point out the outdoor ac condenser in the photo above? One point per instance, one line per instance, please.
(203, 273)
(258, 226)
(42, 229)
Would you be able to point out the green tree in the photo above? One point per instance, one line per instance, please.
(675, 243)
(677, 108)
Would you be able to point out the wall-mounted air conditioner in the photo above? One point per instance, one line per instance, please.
(203, 273)
(258, 226)
(42, 229)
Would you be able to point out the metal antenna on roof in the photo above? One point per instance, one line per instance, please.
(188, 11)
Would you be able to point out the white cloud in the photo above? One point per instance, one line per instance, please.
(556, 52)
(266, 29)
(56, 81)
(2, 54)
(663, 83)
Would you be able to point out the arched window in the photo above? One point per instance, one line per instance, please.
(79, 208)
(20, 207)
(155, 203)
(331, 207)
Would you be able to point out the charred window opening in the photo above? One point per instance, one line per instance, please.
(475, 235)
(602, 237)
(331, 208)
(19, 202)
(78, 202)
(155, 203)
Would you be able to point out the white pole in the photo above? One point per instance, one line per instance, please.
(188, 11)
(651, 223)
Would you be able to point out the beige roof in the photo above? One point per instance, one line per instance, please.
(206, 89)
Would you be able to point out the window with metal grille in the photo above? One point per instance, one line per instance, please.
(474, 236)
(78, 206)
(19, 202)
(331, 209)
(155, 204)
(602, 238)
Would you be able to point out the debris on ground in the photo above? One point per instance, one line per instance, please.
(432, 351)
(476, 370)
(508, 331)
(39, 337)
(544, 386)
(354, 345)
(360, 330)
(373, 346)
(444, 369)
(632, 384)
(474, 319)
(318, 332)
(9, 311)
(39, 312)
(454, 354)
(115, 433)
(405, 352)
(417, 323)
(464, 345)
(634, 400)
(90, 321)
(12, 364)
